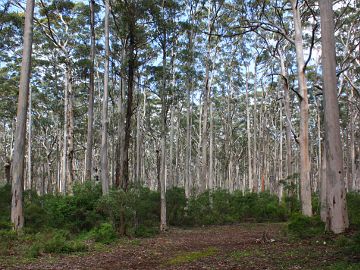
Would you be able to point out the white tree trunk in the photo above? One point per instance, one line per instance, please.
(337, 216)
(17, 214)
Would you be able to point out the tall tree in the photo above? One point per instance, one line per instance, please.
(90, 131)
(104, 114)
(17, 214)
(305, 188)
(337, 217)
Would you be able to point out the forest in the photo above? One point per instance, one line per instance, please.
(179, 134)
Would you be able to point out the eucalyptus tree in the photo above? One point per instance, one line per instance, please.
(336, 215)
(90, 130)
(58, 22)
(104, 114)
(17, 212)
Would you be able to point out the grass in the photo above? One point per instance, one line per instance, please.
(239, 254)
(192, 256)
(342, 266)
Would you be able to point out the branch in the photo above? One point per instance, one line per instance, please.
(312, 44)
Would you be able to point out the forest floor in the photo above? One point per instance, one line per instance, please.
(242, 246)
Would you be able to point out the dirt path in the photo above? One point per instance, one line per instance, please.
(217, 247)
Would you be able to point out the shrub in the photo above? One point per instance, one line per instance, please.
(175, 206)
(57, 241)
(144, 231)
(305, 227)
(353, 202)
(5, 206)
(7, 239)
(105, 233)
(75, 213)
(118, 208)
(352, 246)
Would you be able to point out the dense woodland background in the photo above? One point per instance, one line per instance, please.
(201, 95)
(219, 76)
(186, 113)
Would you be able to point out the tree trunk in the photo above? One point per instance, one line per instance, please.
(29, 163)
(305, 187)
(337, 216)
(255, 184)
(90, 132)
(104, 135)
(248, 131)
(164, 104)
(211, 150)
(120, 131)
(124, 177)
(17, 214)
(287, 114)
(70, 129)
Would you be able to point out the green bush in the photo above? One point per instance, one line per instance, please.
(118, 208)
(5, 206)
(75, 213)
(145, 231)
(105, 233)
(175, 206)
(7, 239)
(352, 247)
(353, 204)
(57, 241)
(305, 227)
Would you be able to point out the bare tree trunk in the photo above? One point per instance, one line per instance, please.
(70, 130)
(171, 151)
(323, 202)
(248, 131)
(305, 187)
(90, 132)
(280, 176)
(104, 135)
(124, 176)
(352, 179)
(255, 180)
(287, 114)
(188, 179)
(337, 216)
(64, 168)
(29, 164)
(120, 132)
(138, 146)
(17, 213)
(211, 150)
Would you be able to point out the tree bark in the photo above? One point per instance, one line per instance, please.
(104, 135)
(124, 177)
(337, 216)
(305, 187)
(90, 132)
(17, 214)
(248, 131)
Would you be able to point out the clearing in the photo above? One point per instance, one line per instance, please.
(242, 246)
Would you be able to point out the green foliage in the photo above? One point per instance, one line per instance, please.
(55, 241)
(35, 215)
(144, 231)
(222, 207)
(75, 213)
(191, 256)
(351, 246)
(175, 205)
(105, 233)
(7, 238)
(353, 203)
(305, 227)
(5, 206)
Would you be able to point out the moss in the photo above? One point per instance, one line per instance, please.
(186, 257)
